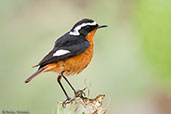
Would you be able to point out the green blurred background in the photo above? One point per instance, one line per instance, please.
(132, 58)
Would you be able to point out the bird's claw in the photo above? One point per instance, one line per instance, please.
(80, 93)
(67, 101)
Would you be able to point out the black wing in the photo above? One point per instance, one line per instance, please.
(76, 45)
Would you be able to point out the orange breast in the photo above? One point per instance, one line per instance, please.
(78, 63)
(75, 65)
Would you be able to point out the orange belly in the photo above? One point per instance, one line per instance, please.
(73, 65)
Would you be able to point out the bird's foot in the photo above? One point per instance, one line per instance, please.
(80, 93)
(67, 101)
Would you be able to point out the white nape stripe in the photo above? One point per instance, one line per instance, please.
(76, 29)
(61, 52)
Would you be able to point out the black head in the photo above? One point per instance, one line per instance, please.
(84, 26)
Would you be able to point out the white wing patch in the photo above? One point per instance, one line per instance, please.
(61, 52)
(76, 29)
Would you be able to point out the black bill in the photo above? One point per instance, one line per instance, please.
(101, 26)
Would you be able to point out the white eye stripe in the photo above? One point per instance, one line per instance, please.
(76, 29)
(61, 52)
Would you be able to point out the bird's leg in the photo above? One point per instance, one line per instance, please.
(68, 99)
(78, 92)
(68, 82)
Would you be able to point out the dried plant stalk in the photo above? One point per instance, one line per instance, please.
(83, 105)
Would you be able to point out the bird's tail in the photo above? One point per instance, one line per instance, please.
(46, 68)
(41, 70)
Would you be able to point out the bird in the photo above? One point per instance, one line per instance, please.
(71, 53)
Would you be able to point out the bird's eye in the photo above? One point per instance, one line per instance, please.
(87, 27)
